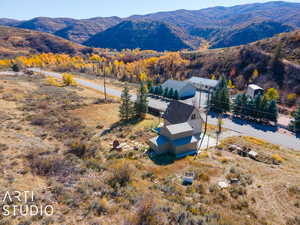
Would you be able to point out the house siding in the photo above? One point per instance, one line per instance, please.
(196, 123)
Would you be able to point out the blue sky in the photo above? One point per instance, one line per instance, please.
(25, 9)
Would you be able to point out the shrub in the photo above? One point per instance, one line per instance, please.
(146, 214)
(293, 221)
(68, 79)
(224, 160)
(53, 81)
(291, 99)
(99, 207)
(78, 148)
(277, 158)
(3, 147)
(204, 155)
(294, 189)
(202, 176)
(235, 191)
(47, 166)
(121, 175)
(16, 67)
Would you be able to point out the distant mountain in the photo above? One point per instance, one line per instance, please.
(144, 35)
(219, 26)
(82, 30)
(68, 28)
(16, 41)
(248, 34)
(218, 17)
(45, 24)
(8, 22)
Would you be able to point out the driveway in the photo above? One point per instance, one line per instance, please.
(241, 127)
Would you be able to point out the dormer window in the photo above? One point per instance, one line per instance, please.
(193, 116)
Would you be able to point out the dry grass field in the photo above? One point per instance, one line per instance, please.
(57, 142)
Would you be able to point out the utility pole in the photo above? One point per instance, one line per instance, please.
(219, 131)
(205, 127)
(104, 82)
(200, 92)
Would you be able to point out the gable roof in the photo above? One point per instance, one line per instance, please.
(178, 112)
(179, 128)
(175, 84)
(204, 81)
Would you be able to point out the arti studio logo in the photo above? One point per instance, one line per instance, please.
(21, 203)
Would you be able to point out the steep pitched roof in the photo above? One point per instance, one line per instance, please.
(175, 84)
(178, 112)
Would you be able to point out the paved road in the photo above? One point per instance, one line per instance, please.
(239, 126)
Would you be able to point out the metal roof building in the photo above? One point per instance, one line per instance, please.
(203, 83)
(184, 88)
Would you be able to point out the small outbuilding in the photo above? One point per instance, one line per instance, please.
(254, 90)
(185, 89)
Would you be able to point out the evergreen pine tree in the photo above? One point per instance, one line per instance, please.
(257, 107)
(160, 90)
(126, 107)
(264, 108)
(250, 108)
(295, 124)
(156, 90)
(176, 95)
(141, 104)
(272, 111)
(220, 101)
(152, 90)
(237, 110)
(149, 85)
(166, 92)
(244, 104)
(171, 93)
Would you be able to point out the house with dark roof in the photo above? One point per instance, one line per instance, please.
(178, 135)
(184, 88)
(180, 112)
(203, 84)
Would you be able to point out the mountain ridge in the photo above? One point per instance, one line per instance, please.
(191, 26)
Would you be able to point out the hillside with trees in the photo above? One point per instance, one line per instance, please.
(14, 42)
(144, 35)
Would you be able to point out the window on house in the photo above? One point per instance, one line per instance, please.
(193, 116)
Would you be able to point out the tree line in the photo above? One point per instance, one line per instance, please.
(259, 108)
(130, 110)
(165, 92)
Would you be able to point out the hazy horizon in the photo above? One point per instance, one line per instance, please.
(80, 9)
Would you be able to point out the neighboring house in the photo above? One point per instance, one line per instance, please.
(254, 90)
(179, 112)
(203, 84)
(184, 88)
(177, 136)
